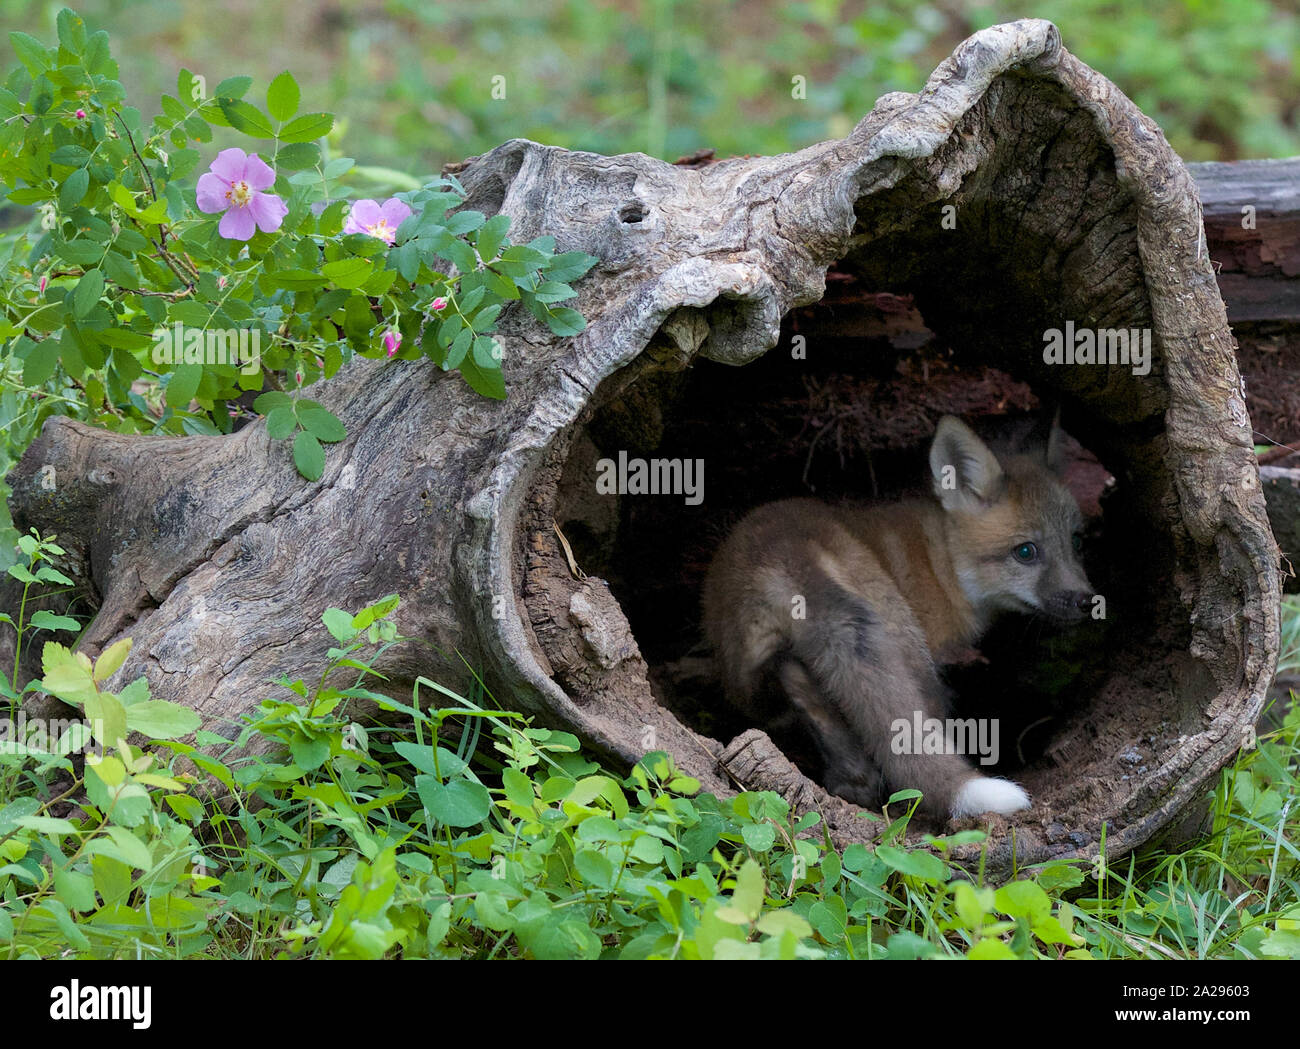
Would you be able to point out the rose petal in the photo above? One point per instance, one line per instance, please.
(365, 213)
(268, 211)
(395, 211)
(212, 193)
(237, 224)
(258, 173)
(230, 164)
(352, 226)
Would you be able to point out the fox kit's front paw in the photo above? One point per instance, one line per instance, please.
(984, 794)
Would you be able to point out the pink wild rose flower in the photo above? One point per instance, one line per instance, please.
(392, 340)
(439, 303)
(235, 185)
(377, 220)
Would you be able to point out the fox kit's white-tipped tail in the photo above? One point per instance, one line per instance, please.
(985, 794)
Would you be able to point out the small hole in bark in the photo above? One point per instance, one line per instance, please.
(632, 212)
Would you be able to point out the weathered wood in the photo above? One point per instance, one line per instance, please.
(1252, 224)
(218, 559)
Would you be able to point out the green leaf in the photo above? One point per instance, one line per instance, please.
(1049, 930)
(295, 279)
(73, 190)
(829, 917)
(107, 717)
(1059, 876)
(461, 255)
(991, 949)
(246, 117)
(71, 155)
(72, 33)
(747, 897)
(298, 155)
(777, 923)
(339, 166)
(1021, 899)
(594, 867)
(459, 347)
(97, 58)
(160, 719)
(272, 399)
(89, 289)
(918, 864)
(232, 87)
(41, 362)
(759, 836)
(308, 456)
(320, 422)
(971, 904)
(491, 235)
(281, 421)
(46, 824)
(570, 266)
(31, 52)
(460, 803)
(348, 273)
(339, 624)
(44, 620)
(64, 675)
(518, 788)
(309, 753)
(184, 385)
(487, 353)
(565, 321)
(486, 317)
(122, 272)
(465, 222)
(307, 128)
(499, 284)
(130, 848)
(282, 96)
(553, 291)
(488, 383)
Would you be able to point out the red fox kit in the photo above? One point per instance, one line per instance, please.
(844, 609)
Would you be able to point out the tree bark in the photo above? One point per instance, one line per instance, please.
(218, 559)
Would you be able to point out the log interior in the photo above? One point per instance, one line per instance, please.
(852, 420)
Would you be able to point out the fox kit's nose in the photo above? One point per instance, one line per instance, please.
(1070, 605)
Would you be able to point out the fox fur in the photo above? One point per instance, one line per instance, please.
(841, 610)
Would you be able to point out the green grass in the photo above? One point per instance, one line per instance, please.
(504, 840)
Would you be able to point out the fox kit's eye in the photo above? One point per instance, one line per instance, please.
(1077, 539)
(1025, 553)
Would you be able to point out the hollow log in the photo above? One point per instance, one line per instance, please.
(1018, 191)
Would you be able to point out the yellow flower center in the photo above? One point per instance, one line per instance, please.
(382, 230)
(239, 194)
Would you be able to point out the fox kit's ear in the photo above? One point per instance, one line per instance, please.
(1047, 439)
(966, 473)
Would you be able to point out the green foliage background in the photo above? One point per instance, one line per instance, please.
(413, 79)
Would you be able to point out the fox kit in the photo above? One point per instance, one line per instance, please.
(843, 609)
